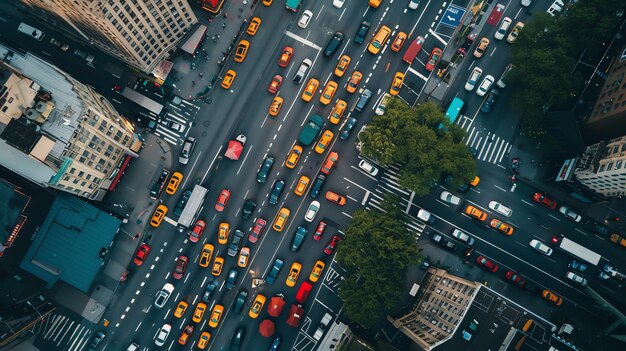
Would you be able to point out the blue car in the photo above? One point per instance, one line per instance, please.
(275, 344)
(271, 276)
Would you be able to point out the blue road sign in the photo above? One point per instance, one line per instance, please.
(453, 16)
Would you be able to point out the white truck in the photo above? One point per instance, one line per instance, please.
(31, 31)
(322, 327)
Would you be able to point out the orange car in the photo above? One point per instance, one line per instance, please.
(310, 89)
(476, 213)
(330, 161)
(286, 56)
(277, 103)
(398, 42)
(354, 82)
(336, 198)
(344, 61)
(328, 93)
(501, 226)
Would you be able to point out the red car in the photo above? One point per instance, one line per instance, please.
(433, 59)
(319, 231)
(544, 201)
(332, 244)
(255, 234)
(284, 59)
(222, 200)
(515, 278)
(141, 254)
(495, 15)
(275, 84)
(181, 267)
(197, 231)
(485, 262)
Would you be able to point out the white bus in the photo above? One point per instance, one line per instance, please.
(32, 31)
(579, 251)
(192, 208)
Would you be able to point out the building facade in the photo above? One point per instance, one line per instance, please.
(138, 32)
(442, 301)
(58, 132)
(602, 167)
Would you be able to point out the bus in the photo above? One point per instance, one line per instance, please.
(453, 112)
(142, 101)
(292, 5)
(193, 207)
(579, 251)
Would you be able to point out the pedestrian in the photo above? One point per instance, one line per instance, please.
(223, 24)
(225, 15)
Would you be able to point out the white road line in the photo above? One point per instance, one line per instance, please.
(500, 188)
(528, 203)
(437, 36)
(302, 40)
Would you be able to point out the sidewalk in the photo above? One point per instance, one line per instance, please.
(224, 28)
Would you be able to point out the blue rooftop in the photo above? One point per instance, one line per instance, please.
(68, 243)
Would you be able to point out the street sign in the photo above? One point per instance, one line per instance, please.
(452, 16)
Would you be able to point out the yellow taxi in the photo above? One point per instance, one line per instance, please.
(198, 313)
(316, 273)
(253, 26)
(293, 275)
(325, 139)
(173, 183)
(257, 306)
(229, 78)
(218, 264)
(244, 255)
(337, 112)
(241, 51)
(277, 103)
(398, 42)
(379, 39)
(281, 219)
(294, 156)
(344, 61)
(396, 84)
(203, 341)
(328, 93)
(303, 183)
(206, 254)
(501, 226)
(158, 215)
(216, 315)
(267, 2)
(476, 213)
(222, 232)
(375, 3)
(310, 89)
(181, 309)
(354, 82)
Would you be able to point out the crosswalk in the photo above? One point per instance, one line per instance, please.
(182, 114)
(63, 333)
(389, 184)
(489, 147)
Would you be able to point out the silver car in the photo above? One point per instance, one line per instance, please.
(473, 79)
(162, 334)
(305, 19)
(576, 278)
(485, 85)
(448, 197)
(570, 214)
(459, 235)
(541, 247)
(312, 211)
(368, 168)
(500, 208)
(163, 295)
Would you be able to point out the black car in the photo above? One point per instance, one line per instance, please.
(446, 244)
(333, 44)
(276, 267)
(235, 243)
(347, 129)
(248, 208)
(277, 190)
(156, 189)
(180, 205)
(298, 238)
(361, 34)
(365, 97)
(97, 339)
(317, 186)
(232, 278)
(491, 99)
(208, 291)
(235, 342)
(265, 168)
(241, 301)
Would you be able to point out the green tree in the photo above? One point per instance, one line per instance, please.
(412, 137)
(377, 250)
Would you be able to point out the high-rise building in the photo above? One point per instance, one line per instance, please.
(602, 167)
(140, 33)
(58, 132)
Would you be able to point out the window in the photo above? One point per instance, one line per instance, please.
(609, 166)
(618, 164)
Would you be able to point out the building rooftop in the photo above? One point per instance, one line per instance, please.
(70, 242)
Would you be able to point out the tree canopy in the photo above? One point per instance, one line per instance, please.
(411, 137)
(377, 250)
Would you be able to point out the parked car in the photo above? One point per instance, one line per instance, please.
(141, 254)
(461, 236)
(515, 278)
(544, 200)
(500, 208)
(96, 340)
(541, 247)
(568, 213)
(449, 198)
(488, 264)
(446, 244)
(332, 245)
(576, 278)
(319, 231)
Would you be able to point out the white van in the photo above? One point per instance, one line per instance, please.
(32, 31)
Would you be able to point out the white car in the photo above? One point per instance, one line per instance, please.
(413, 4)
(459, 235)
(570, 214)
(162, 334)
(500, 208)
(163, 295)
(312, 211)
(555, 8)
(576, 278)
(485, 85)
(305, 19)
(473, 78)
(526, 3)
(425, 216)
(541, 247)
(368, 168)
(382, 104)
(448, 197)
(338, 3)
(504, 26)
